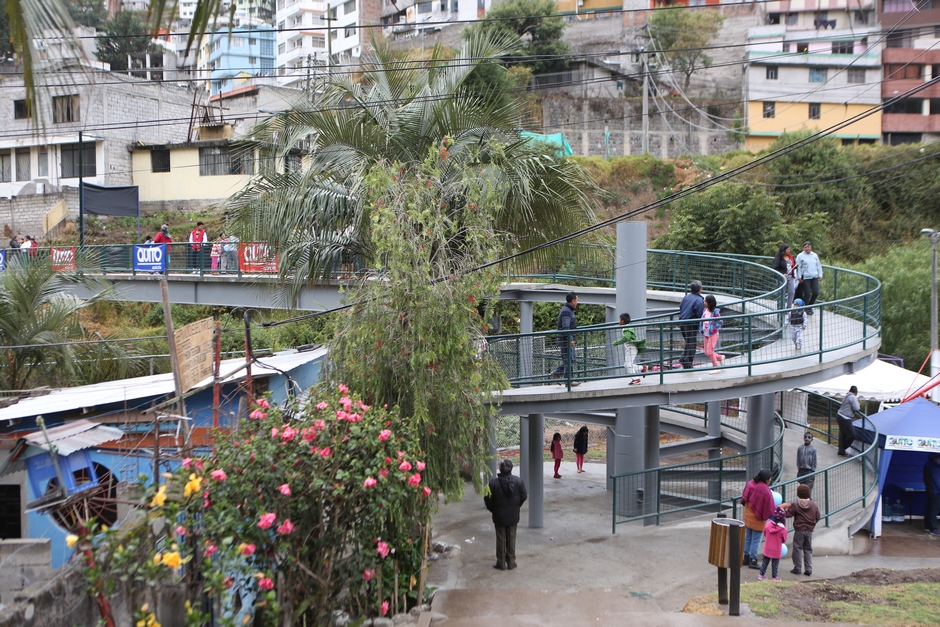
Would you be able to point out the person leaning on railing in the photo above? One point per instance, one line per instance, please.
(846, 415)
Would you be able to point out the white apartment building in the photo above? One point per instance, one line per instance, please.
(412, 17)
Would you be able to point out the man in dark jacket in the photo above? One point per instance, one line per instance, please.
(566, 342)
(507, 494)
(932, 485)
(691, 308)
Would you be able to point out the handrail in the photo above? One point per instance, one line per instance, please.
(836, 484)
(748, 338)
(644, 482)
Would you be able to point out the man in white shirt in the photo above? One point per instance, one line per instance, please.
(809, 272)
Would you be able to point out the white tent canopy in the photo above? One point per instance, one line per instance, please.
(880, 381)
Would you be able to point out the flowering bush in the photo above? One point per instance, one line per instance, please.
(307, 511)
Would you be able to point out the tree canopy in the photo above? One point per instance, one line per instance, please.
(538, 27)
(88, 12)
(682, 35)
(123, 35)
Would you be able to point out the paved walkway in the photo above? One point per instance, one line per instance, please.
(573, 572)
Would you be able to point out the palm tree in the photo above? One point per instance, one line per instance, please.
(398, 112)
(38, 320)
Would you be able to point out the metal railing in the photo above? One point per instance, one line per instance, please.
(714, 484)
(709, 484)
(754, 330)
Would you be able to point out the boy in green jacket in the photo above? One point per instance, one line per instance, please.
(631, 348)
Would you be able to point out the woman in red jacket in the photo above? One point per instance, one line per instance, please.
(758, 504)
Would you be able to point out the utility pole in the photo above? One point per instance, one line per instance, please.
(81, 191)
(646, 101)
(329, 45)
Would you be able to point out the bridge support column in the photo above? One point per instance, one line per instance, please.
(760, 431)
(626, 452)
(536, 482)
(524, 449)
(650, 460)
(631, 269)
(525, 344)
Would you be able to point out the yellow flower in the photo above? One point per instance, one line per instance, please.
(71, 541)
(189, 607)
(157, 559)
(141, 623)
(193, 485)
(167, 475)
(172, 560)
(159, 498)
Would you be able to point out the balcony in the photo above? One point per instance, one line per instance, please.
(910, 123)
(891, 88)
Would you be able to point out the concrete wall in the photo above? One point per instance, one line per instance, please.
(183, 180)
(583, 122)
(23, 562)
(22, 215)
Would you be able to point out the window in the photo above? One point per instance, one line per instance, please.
(65, 109)
(861, 17)
(817, 75)
(70, 169)
(252, 41)
(802, 46)
(770, 109)
(793, 19)
(22, 165)
(773, 18)
(814, 110)
(318, 41)
(6, 167)
(843, 47)
(772, 72)
(903, 70)
(20, 110)
(43, 162)
(349, 7)
(856, 75)
(252, 60)
(281, 48)
(349, 31)
(160, 160)
(908, 105)
(896, 6)
(333, 13)
(219, 161)
(454, 7)
(899, 38)
(425, 7)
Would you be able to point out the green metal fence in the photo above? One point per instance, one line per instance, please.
(754, 330)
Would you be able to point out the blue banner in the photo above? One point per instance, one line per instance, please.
(150, 258)
(3, 259)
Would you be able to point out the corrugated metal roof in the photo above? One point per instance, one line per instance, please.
(77, 435)
(68, 399)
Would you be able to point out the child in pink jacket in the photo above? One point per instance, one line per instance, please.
(775, 534)
(557, 453)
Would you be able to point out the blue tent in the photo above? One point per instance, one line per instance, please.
(906, 433)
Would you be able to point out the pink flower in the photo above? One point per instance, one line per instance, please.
(322, 405)
(369, 483)
(210, 550)
(286, 528)
(266, 520)
(248, 549)
(274, 432)
(363, 406)
(414, 480)
(263, 404)
(257, 415)
(420, 466)
(284, 489)
(368, 574)
(319, 425)
(383, 549)
(227, 583)
(384, 435)
(198, 464)
(266, 583)
(384, 608)
(401, 454)
(341, 415)
(384, 473)
(218, 474)
(354, 417)
(325, 452)
(288, 434)
(427, 491)
(187, 462)
(309, 434)
(405, 466)
(343, 389)
(346, 403)
(181, 530)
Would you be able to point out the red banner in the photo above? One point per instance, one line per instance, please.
(256, 257)
(63, 259)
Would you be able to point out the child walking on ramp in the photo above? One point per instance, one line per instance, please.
(710, 328)
(631, 348)
(775, 534)
(797, 321)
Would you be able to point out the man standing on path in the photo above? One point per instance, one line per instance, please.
(198, 241)
(806, 460)
(809, 272)
(507, 494)
(567, 322)
(844, 418)
(691, 308)
(932, 485)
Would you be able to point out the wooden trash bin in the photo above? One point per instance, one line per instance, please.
(726, 550)
(719, 549)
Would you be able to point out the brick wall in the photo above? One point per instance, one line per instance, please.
(22, 215)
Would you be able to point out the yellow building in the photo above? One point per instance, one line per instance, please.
(201, 170)
(586, 7)
(767, 120)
